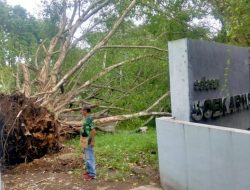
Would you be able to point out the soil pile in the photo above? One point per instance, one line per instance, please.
(27, 131)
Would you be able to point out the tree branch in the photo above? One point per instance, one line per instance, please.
(18, 86)
(93, 50)
(86, 15)
(73, 13)
(26, 84)
(135, 87)
(134, 47)
(118, 118)
(74, 43)
(94, 11)
(107, 87)
(93, 106)
(150, 119)
(73, 93)
(157, 101)
(43, 75)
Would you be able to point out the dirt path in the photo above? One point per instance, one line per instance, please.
(63, 171)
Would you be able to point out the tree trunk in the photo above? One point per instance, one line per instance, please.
(118, 118)
(27, 83)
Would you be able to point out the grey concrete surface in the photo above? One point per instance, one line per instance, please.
(1, 182)
(147, 187)
(195, 156)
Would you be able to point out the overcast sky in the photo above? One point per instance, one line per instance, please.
(31, 6)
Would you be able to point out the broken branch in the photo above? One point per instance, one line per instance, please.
(134, 47)
(118, 118)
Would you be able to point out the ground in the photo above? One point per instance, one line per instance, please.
(63, 171)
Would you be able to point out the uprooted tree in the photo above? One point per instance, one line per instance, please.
(28, 129)
(49, 83)
(92, 52)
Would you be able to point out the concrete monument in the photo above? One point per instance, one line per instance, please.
(210, 83)
(203, 147)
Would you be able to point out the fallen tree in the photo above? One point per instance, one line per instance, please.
(107, 123)
(28, 129)
(75, 125)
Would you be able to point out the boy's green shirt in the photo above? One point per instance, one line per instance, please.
(87, 126)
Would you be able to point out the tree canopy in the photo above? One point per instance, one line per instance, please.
(110, 54)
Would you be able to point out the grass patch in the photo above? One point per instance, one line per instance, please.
(116, 154)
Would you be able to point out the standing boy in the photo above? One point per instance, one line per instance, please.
(88, 132)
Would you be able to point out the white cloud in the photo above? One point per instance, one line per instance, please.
(32, 6)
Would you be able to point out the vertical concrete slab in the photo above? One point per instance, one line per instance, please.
(198, 150)
(222, 161)
(172, 159)
(1, 183)
(179, 83)
(241, 159)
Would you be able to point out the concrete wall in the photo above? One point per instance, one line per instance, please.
(196, 156)
(1, 182)
(179, 83)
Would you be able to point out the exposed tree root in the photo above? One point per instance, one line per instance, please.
(27, 131)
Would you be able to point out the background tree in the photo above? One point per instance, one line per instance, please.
(109, 54)
(235, 20)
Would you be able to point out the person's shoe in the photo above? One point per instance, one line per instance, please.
(88, 177)
(86, 173)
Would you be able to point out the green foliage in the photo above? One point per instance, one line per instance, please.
(6, 79)
(131, 124)
(239, 22)
(235, 20)
(122, 151)
(136, 85)
(20, 33)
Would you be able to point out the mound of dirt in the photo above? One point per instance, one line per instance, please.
(27, 131)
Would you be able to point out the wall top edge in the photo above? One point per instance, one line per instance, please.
(193, 124)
